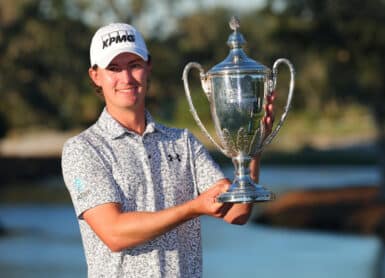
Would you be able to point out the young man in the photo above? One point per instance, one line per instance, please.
(138, 187)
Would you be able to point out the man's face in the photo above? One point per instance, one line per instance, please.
(124, 82)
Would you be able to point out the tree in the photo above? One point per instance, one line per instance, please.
(44, 60)
(43, 65)
(349, 39)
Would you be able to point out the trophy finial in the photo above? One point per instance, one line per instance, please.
(236, 39)
(234, 23)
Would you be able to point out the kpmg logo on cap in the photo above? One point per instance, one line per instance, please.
(117, 37)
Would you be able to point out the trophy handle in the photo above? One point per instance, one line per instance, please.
(289, 97)
(206, 89)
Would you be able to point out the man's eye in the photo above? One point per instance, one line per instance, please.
(114, 68)
(136, 66)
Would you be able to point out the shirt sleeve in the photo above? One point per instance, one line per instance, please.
(87, 176)
(206, 170)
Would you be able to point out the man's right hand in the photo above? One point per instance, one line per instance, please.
(206, 203)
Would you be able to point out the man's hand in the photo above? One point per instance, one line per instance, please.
(206, 203)
(268, 120)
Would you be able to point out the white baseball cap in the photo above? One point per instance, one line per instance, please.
(113, 39)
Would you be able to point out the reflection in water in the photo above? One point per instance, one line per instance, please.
(44, 241)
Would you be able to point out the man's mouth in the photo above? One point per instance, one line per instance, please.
(127, 90)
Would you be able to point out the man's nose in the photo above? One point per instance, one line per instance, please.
(126, 75)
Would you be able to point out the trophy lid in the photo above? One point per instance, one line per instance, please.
(237, 60)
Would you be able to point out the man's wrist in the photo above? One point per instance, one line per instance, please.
(192, 210)
(254, 167)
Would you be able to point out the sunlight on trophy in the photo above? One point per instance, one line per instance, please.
(237, 89)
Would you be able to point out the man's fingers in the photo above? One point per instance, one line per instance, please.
(269, 108)
(271, 97)
(224, 209)
(269, 120)
(223, 185)
(221, 209)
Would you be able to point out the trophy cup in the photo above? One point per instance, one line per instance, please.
(237, 89)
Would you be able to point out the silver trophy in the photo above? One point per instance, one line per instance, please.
(237, 89)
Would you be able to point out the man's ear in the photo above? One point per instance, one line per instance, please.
(94, 75)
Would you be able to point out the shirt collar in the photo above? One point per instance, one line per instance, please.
(115, 130)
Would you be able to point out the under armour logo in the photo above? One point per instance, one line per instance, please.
(171, 158)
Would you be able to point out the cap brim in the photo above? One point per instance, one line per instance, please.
(105, 61)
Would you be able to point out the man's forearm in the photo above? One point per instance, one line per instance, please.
(135, 228)
(120, 230)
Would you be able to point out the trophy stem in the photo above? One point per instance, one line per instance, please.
(242, 170)
(244, 189)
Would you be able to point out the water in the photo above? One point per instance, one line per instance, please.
(285, 178)
(257, 251)
(44, 241)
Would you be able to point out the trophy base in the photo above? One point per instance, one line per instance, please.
(252, 193)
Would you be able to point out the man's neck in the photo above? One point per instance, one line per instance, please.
(133, 120)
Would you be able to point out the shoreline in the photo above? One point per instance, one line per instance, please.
(349, 210)
(22, 167)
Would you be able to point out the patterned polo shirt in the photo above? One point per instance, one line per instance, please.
(162, 168)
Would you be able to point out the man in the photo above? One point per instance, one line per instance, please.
(138, 187)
